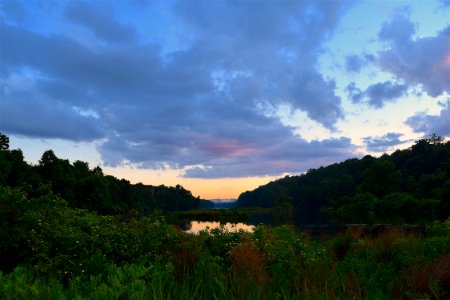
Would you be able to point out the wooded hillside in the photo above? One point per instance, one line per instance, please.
(407, 186)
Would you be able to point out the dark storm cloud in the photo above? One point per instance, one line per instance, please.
(377, 94)
(198, 105)
(424, 60)
(98, 17)
(429, 124)
(383, 143)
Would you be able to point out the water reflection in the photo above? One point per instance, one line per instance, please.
(315, 225)
(197, 226)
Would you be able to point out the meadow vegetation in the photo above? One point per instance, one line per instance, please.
(52, 251)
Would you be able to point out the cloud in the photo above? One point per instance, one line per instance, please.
(355, 93)
(292, 155)
(445, 3)
(383, 143)
(417, 61)
(354, 63)
(196, 105)
(315, 95)
(378, 94)
(98, 17)
(398, 31)
(280, 53)
(429, 124)
(42, 117)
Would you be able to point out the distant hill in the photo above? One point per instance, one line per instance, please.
(231, 203)
(206, 204)
(409, 185)
(218, 203)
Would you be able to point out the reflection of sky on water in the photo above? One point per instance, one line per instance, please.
(197, 226)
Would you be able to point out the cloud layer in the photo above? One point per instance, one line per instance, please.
(376, 95)
(383, 143)
(197, 105)
(195, 88)
(424, 60)
(429, 124)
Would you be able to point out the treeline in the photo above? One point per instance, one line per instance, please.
(411, 185)
(87, 188)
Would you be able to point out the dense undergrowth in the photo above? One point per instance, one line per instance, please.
(52, 251)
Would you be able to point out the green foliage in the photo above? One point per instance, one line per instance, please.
(381, 179)
(73, 253)
(87, 188)
(405, 208)
(341, 244)
(44, 233)
(356, 209)
(410, 185)
(4, 142)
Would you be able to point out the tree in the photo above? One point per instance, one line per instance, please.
(4, 142)
(48, 159)
(13, 168)
(381, 179)
(356, 209)
(403, 207)
(435, 139)
(60, 174)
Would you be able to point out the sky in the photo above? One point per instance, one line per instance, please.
(221, 96)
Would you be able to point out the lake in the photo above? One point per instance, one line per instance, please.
(197, 226)
(270, 217)
(315, 225)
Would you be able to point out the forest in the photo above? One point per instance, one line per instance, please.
(87, 188)
(71, 232)
(408, 186)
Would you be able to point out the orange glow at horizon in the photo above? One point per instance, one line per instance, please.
(218, 188)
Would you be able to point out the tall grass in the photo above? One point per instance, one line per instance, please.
(271, 263)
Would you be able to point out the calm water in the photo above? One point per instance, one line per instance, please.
(197, 226)
(316, 226)
(271, 218)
